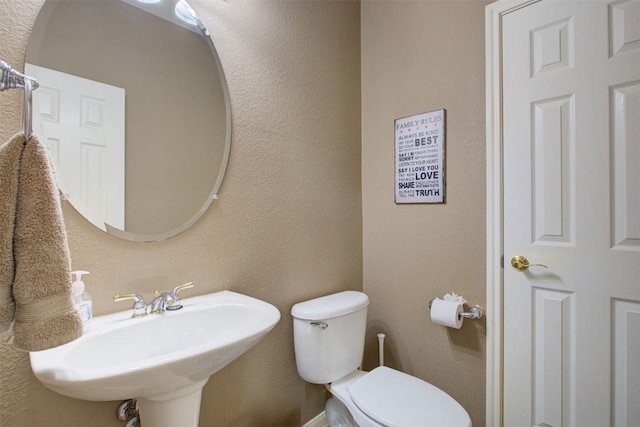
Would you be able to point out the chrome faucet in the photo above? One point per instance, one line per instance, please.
(168, 300)
(162, 301)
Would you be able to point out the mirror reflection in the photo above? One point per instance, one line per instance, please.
(134, 109)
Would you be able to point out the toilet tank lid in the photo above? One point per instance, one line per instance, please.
(330, 306)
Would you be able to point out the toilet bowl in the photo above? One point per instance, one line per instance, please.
(329, 344)
(386, 397)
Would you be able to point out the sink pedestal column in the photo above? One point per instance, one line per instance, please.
(179, 408)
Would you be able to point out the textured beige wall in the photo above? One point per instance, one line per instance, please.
(288, 223)
(418, 57)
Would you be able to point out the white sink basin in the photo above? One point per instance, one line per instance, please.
(159, 357)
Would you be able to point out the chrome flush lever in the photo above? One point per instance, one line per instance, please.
(321, 325)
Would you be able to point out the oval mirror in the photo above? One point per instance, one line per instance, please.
(134, 109)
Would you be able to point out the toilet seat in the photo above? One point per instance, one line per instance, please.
(395, 399)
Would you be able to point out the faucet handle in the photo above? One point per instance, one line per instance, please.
(175, 293)
(139, 306)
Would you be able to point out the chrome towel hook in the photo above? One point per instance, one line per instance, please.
(27, 110)
(12, 79)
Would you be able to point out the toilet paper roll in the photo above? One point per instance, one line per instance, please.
(446, 313)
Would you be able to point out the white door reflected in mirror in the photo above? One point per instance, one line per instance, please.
(87, 149)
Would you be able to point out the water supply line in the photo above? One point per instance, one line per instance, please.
(381, 349)
(128, 411)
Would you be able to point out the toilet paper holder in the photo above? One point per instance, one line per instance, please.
(475, 312)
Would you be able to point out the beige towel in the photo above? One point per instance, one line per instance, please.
(45, 316)
(10, 154)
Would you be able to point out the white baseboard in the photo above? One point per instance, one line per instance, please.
(319, 420)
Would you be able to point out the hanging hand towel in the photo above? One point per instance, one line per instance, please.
(45, 316)
(10, 154)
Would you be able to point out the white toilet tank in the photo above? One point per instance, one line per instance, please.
(328, 335)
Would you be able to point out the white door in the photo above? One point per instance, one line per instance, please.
(82, 123)
(571, 177)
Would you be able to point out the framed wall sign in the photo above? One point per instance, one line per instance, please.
(419, 158)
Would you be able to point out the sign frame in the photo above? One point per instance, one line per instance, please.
(419, 158)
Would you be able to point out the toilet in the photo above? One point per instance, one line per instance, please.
(328, 335)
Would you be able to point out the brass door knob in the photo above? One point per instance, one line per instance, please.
(520, 263)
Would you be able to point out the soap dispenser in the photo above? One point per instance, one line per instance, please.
(82, 299)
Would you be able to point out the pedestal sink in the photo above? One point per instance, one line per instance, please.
(163, 360)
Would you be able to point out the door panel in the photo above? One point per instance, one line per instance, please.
(571, 103)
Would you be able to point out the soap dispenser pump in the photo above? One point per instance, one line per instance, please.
(82, 299)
